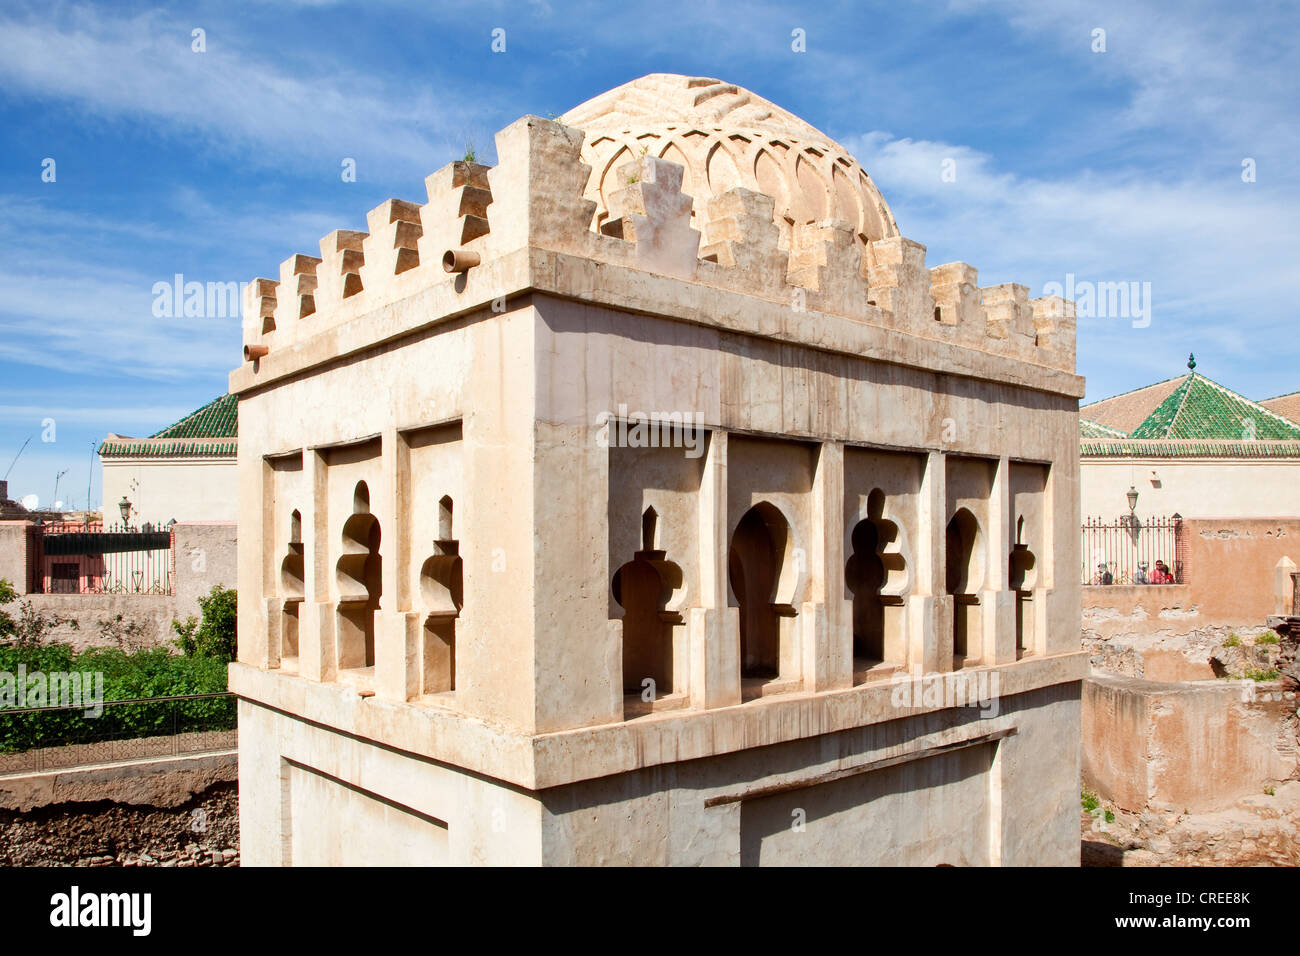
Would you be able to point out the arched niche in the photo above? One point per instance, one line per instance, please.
(292, 589)
(442, 595)
(876, 575)
(644, 588)
(964, 572)
(763, 576)
(359, 580)
(1022, 577)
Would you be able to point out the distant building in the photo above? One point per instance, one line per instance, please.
(185, 472)
(1190, 446)
(1190, 475)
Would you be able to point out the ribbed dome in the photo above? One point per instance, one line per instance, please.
(726, 136)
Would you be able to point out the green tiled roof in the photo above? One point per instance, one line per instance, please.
(1202, 409)
(146, 448)
(1090, 429)
(210, 432)
(216, 419)
(1185, 448)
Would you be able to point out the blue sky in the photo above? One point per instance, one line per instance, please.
(1115, 166)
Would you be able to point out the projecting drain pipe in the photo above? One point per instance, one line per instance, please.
(459, 260)
(254, 352)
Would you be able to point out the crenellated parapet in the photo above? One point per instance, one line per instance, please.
(537, 197)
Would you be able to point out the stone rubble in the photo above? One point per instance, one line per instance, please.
(203, 832)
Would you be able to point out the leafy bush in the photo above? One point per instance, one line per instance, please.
(1267, 638)
(1258, 674)
(130, 672)
(215, 635)
(1232, 641)
(1089, 801)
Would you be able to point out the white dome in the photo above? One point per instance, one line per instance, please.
(725, 136)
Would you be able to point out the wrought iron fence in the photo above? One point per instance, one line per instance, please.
(93, 558)
(37, 738)
(1130, 551)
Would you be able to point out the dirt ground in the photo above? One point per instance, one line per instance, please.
(202, 832)
(1260, 830)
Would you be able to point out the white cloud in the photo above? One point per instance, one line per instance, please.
(1219, 254)
(142, 67)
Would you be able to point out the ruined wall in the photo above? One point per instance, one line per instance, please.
(204, 555)
(1236, 574)
(1184, 746)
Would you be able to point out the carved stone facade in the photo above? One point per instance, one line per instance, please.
(586, 519)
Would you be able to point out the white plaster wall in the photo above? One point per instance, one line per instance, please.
(162, 490)
(1213, 488)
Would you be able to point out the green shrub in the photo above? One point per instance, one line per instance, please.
(1254, 674)
(1267, 638)
(215, 635)
(1089, 801)
(129, 673)
(1232, 641)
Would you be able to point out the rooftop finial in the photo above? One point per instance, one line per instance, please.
(1191, 361)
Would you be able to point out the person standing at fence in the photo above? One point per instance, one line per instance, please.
(1162, 575)
(1103, 575)
(1140, 576)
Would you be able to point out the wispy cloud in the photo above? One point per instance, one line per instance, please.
(142, 67)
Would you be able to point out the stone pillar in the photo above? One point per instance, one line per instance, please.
(714, 627)
(255, 481)
(929, 618)
(998, 603)
(827, 619)
(317, 654)
(397, 651)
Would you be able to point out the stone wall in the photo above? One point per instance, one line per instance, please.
(1236, 574)
(204, 556)
(1188, 746)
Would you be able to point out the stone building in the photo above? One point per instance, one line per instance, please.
(1192, 446)
(612, 506)
(184, 472)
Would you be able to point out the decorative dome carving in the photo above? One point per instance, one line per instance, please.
(725, 136)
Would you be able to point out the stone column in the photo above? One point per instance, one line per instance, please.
(998, 603)
(255, 481)
(397, 647)
(827, 619)
(930, 607)
(714, 628)
(317, 654)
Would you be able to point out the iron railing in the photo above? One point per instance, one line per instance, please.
(94, 558)
(40, 738)
(1129, 548)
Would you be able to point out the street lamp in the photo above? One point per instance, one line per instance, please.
(1132, 496)
(124, 506)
